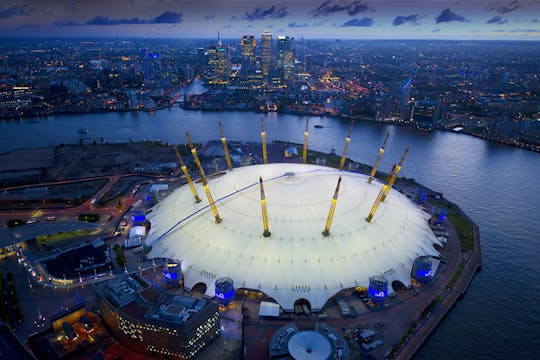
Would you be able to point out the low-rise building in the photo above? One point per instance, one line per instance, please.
(157, 324)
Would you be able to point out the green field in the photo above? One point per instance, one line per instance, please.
(464, 230)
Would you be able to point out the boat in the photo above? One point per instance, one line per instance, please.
(82, 131)
(318, 126)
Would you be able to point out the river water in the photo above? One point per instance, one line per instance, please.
(495, 184)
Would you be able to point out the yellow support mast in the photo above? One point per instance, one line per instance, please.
(330, 217)
(187, 176)
(306, 134)
(395, 172)
(263, 138)
(266, 232)
(347, 141)
(211, 200)
(225, 147)
(195, 156)
(376, 203)
(387, 187)
(379, 156)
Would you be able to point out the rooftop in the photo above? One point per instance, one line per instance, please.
(175, 309)
(131, 295)
(296, 261)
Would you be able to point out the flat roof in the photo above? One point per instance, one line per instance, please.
(128, 294)
(175, 309)
(11, 236)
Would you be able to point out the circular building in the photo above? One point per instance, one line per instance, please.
(296, 262)
(309, 345)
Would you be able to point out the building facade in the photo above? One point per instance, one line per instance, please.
(248, 55)
(170, 326)
(267, 54)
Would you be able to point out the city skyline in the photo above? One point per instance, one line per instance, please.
(355, 19)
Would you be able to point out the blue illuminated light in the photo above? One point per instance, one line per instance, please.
(147, 198)
(170, 275)
(138, 218)
(423, 273)
(377, 294)
(225, 298)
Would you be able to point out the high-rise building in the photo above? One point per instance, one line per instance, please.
(285, 57)
(223, 68)
(219, 64)
(266, 53)
(144, 54)
(248, 54)
(201, 56)
(404, 94)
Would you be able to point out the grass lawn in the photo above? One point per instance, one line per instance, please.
(464, 230)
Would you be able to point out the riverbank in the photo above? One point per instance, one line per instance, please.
(472, 265)
(356, 118)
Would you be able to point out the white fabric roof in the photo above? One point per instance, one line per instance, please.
(136, 231)
(296, 261)
(309, 345)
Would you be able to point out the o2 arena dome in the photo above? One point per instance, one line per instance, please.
(296, 261)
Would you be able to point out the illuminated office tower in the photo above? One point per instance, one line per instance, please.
(248, 54)
(266, 53)
(144, 54)
(404, 94)
(223, 68)
(285, 57)
(219, 64)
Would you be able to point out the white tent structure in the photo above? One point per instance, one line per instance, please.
(270, 309)
(296, 261)
(309, 345)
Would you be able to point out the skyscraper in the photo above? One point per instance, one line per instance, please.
(266, 53)
(223, 68)
(285, 57)
(219, 63)
(404, 94)
(144, 54)
(248, 54)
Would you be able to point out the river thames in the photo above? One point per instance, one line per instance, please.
(496, 185)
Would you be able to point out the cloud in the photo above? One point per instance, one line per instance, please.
(505, 9)
(168, 17)
(535, 20)
(30, 26)
(447, 16)
(104, 20)
(331, 7)
(67, 23)
(15, 10)
(261, 13)
(413, 19)
(295, 25)
(365, 21)
(209, 17)
(518, 31)
(496, 20)
(165, 18)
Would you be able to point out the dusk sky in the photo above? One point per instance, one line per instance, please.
(356, 19)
